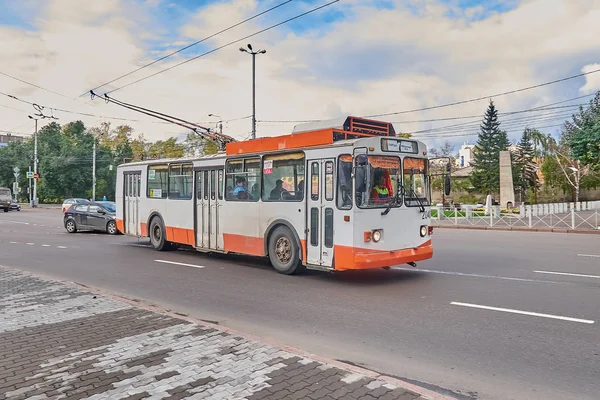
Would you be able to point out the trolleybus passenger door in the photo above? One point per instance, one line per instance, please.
(319, 214)
(131, 194)
(202, 209)
(215, 202)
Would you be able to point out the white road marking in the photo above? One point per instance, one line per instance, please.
(30, 244)
(568, 274)
(178, 263)
(46, 245)
(61, 247)
(17, 222)
(13, 242)
(534, 314)
(589, 255)
(508, 278)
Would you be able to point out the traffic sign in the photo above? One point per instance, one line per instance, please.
(35, 176)
(29, 174)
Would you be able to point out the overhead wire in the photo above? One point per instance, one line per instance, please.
(225, 45)
(190, 45)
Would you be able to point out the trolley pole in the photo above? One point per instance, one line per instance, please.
(94, 170)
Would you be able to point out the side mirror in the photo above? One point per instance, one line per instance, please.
(447, 185)
(101, 212)
(360, 176)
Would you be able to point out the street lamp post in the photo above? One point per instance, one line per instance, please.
(253, 53)
(220, 122)
(35, 161)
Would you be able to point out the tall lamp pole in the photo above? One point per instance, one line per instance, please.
(253, 53)
(35, 162)
(220, 122)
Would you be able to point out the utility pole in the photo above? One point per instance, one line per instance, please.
(253, 53)
(94, 170)
(29, 176)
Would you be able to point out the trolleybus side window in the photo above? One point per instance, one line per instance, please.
(283, 177)
(344, 182)
(158, 185)
(242, 179)
(181, 181)
(220, 184)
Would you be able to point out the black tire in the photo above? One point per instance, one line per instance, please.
(111, 228)
(158, 235)
(284, 252)
(70, 225)
(6, 210)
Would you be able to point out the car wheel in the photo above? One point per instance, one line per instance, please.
(158, 235)
(284, 253)
(6, 210)
(71, 226)
(111, 228)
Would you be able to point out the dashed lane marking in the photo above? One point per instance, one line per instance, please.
(178, 263)
(530, 313)
(589, 255)
(42, 245)
(568, 274)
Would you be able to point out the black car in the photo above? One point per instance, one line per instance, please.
(95, 216)
(14, 205)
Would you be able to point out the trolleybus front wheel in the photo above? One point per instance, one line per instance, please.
(284, 253)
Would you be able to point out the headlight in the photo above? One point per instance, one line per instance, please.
(423, 230)
(376, 236)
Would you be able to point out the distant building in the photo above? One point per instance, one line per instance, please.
(6, 139)
(465, 155)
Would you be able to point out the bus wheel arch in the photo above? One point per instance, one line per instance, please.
(283, 248)
(158, 233)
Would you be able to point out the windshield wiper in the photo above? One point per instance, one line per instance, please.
(393, 200)
(421, 206)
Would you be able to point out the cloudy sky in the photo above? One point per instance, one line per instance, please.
(355, 57)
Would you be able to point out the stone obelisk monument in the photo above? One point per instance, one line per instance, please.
(507, 190)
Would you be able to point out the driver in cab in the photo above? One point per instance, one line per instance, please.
(380, 192)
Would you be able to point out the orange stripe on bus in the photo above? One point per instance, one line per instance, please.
(120, 226)
(303, 250)
(143, 229)
(347, 257)
(180, 235)
(244, 244)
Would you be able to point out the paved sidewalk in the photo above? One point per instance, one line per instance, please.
(60, 341)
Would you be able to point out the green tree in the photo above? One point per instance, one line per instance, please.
(166, 149)
(195, 145)
(582, 134)
(486, 158)
(524, 166)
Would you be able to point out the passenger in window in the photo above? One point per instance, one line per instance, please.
(240, 187)
(278, 190)
(379, 192)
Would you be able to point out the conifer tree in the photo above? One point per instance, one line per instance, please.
(486, 158)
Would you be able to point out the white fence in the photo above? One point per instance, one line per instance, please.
(563, 216)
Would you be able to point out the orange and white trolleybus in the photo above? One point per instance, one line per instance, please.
(335, 195)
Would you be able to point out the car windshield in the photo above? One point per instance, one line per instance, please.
(416, 182)
(382, 182)
(110, 206)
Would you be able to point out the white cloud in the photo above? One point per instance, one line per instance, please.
(592, 81)
(374, 61)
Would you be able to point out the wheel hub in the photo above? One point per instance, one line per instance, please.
(283, 250)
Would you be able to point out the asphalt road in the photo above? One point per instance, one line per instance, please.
(491, 316)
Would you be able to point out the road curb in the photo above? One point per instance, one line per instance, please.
(424, 394)
(513, 229)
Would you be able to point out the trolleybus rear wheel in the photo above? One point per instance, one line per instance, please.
(284, 253)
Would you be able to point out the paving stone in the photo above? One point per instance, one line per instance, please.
(61, 342)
